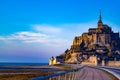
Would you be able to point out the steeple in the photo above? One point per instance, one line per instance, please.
(100, 16)
(100, 21)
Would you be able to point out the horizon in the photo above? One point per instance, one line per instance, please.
(33, 31)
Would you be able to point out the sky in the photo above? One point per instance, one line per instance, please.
(34, 30)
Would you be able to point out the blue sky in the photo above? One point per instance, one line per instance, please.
(35, 30)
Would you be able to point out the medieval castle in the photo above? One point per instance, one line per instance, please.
(99, 46)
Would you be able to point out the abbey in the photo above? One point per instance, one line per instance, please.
(97, 40)
(100, 42)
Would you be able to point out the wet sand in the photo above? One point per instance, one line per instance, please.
(25, 72)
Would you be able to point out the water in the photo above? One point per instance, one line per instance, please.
(17, 66)
(23, 64)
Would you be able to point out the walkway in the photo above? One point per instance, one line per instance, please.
(88, 73)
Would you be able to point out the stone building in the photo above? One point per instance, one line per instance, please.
(56, 60)
(102, 36)
(100, 42)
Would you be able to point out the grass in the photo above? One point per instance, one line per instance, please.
(27, 74)
(23, 74)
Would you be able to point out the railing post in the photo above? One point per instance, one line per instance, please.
(49, 78)
(70, 75)
(73, 75)
(59, 77)
(65, 76)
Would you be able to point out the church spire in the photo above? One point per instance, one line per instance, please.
(100, 16)
(100, 21)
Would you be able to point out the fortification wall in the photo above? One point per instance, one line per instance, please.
(114, 63)
(89, 63)
(92, 61)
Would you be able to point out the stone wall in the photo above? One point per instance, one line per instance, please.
(53, 61)
(91, 61)
(114, 63)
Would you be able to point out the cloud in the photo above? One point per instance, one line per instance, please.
(50, 35)
(30, 37)
(24, 36)
(45, 28)
(34, 37)
(53, 38)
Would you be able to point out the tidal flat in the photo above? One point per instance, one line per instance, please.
(25, 72)
(28, 72)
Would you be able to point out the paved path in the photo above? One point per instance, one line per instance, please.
(115, 70)
(88, 73)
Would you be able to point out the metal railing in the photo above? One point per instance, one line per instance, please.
(67, 75)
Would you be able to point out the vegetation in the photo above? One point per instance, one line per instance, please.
(27, 74)
(22, 74)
